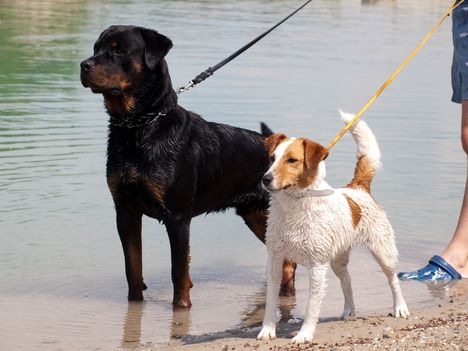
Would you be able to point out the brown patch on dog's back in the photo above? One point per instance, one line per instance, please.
(356, 212)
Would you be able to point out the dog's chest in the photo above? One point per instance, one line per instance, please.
(132, 187)
(305, 233)
(137, 173)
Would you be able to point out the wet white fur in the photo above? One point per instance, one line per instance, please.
(313, 231)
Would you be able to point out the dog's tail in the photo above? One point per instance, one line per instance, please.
(368, 154)
(265, 130)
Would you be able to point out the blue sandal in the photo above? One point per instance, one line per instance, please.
(437, 269)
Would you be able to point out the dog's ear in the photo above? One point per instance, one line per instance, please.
(156, 46)
(313, 154)
(273, 141)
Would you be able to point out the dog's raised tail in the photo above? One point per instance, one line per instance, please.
(368, 153)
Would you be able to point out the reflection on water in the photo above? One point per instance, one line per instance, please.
(62, 277)
(132, 328)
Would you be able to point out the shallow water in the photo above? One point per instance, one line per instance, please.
(62, 275)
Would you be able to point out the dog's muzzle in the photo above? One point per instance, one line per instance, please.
(267, 179)
(86, 65)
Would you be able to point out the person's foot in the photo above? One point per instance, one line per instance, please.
(437, 269)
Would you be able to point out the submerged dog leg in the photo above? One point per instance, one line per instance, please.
(339, 266)
(129, 228)
(178, 232)
(274, 266)
(316, 290)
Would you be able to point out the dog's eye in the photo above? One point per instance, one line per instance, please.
(119, 52)
(291, 160)
(272, 159)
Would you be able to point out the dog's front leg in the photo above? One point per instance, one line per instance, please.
(274, 273)
(129, 228)
(316, 290)
(179, 235)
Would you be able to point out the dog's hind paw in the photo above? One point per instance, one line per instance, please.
(267, 333)
(348, 313)
(302, 338)
(401, 311)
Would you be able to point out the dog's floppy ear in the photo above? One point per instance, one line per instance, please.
(273, 141)
(313, 154)
(157, 46)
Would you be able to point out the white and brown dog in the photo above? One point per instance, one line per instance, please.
(313, 224)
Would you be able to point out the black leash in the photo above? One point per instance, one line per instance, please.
(209, 72)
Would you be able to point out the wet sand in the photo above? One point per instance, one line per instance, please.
(443, 326)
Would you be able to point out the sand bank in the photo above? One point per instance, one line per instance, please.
(442, 326)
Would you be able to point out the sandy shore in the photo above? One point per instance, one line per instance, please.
(442, 326)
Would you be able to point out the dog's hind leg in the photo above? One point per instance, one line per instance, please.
(384, 250)
(129, 228)
(179, 235)
(339, 266)
(257, 222)
(316, 291)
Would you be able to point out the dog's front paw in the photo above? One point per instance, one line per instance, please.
(302, 338)
(268, 332)
(401, 311)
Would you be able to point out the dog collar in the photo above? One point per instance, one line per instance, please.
(138, 121)
(313, 193)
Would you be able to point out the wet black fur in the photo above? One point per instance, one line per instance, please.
(200, 166)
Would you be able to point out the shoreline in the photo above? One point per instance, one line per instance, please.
(441, 326)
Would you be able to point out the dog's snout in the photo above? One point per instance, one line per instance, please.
(86, 65)
(267, 179)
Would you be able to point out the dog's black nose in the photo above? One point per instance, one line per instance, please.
(267, 179)
(86, 65)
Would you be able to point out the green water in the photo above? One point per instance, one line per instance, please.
(62, 282)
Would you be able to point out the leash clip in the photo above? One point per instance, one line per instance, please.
(187, 87)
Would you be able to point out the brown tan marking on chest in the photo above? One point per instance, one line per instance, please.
(156, 189)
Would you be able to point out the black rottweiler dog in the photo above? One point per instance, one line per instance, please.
(166, 162)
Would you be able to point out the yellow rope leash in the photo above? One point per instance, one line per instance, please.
(393, 76)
